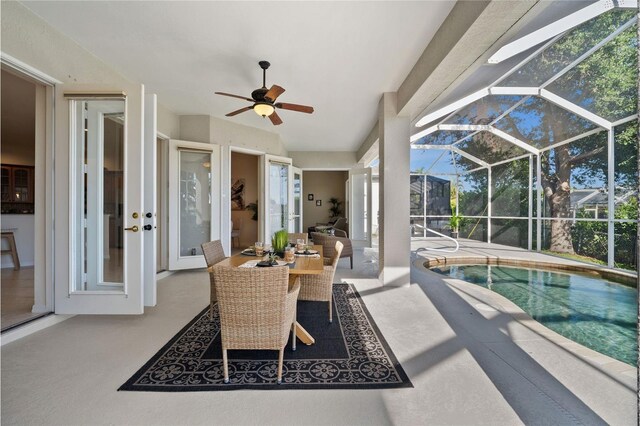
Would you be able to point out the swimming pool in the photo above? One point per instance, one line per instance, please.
(596, 313)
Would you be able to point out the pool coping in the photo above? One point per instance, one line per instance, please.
(622, 277)
(503, 305)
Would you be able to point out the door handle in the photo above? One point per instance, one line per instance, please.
(134, 228)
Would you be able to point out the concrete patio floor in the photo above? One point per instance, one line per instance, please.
(471, 358)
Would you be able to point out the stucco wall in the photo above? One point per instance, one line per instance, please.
(245, 166)
(323, 185)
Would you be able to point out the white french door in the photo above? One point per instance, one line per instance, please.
(283, 195)
(149, 228)
(359, 196)
(276, 180)
(295, 195)
(105, 202)
(194, 201)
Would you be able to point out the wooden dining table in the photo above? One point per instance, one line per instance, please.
(304, 265)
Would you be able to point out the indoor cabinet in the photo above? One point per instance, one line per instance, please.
(17, 188)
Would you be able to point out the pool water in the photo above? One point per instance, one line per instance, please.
(596, 313)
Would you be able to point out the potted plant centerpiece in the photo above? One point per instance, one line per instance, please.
(279, 241)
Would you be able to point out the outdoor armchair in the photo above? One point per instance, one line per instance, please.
(328, 243)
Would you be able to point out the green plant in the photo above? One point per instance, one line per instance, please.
(336, 207)
(280, 240)
(254, 208)
(454, 222)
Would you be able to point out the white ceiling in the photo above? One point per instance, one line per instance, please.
(338, 57)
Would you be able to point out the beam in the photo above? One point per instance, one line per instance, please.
(558, 27)
(470, 157)
(570, 106)
(460, 46)
(514, 141)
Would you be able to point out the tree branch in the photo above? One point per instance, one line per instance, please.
(586, 155)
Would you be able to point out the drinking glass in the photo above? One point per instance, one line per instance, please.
(259, 248)
(300, 244)
(289, 255)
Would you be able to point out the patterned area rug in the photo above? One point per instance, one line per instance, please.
(349, 353)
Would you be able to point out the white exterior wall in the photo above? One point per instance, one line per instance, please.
(323, 160)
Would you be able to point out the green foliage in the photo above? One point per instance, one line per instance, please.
(336, 207)
(280, 240)
(589, 238)
(455, 222)
(254, 208)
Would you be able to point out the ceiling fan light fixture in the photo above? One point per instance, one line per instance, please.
(263, 109)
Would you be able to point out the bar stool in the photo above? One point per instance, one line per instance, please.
(8, 235)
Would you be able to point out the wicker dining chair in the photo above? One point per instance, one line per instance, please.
(295, 236)
(257, 309)
(320, 287)
(213, 253)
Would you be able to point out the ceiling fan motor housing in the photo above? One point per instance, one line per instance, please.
(258, 94)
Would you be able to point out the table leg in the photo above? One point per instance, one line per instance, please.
(304, 335)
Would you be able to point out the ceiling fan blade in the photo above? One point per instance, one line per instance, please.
(234, 96)
(275, 118)
(273, 93)
(295, 107)
(236, 112)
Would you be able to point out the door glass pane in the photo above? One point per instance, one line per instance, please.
(195, 201)
(297, 201)
(100, 184)
(278, 196)
(358, 227)
(113, 201)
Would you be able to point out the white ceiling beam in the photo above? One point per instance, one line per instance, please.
(463, 127)
(573, 139)
(430, 146)
(570, 106)
(526, 60)
(624, 120)
(509, 160)
(452, 107)
(558, 27)
(514, 141)
(422, 133)
(518, 90)
(469, 156)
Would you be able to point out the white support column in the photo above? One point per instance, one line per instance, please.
(530, 218)
(394, 236)
(538, 204)
(611, 199)
(489, 192)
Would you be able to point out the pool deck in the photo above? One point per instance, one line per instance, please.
(595, 366)
(472, 251)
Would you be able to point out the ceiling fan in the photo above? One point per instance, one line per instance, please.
(264, 100)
